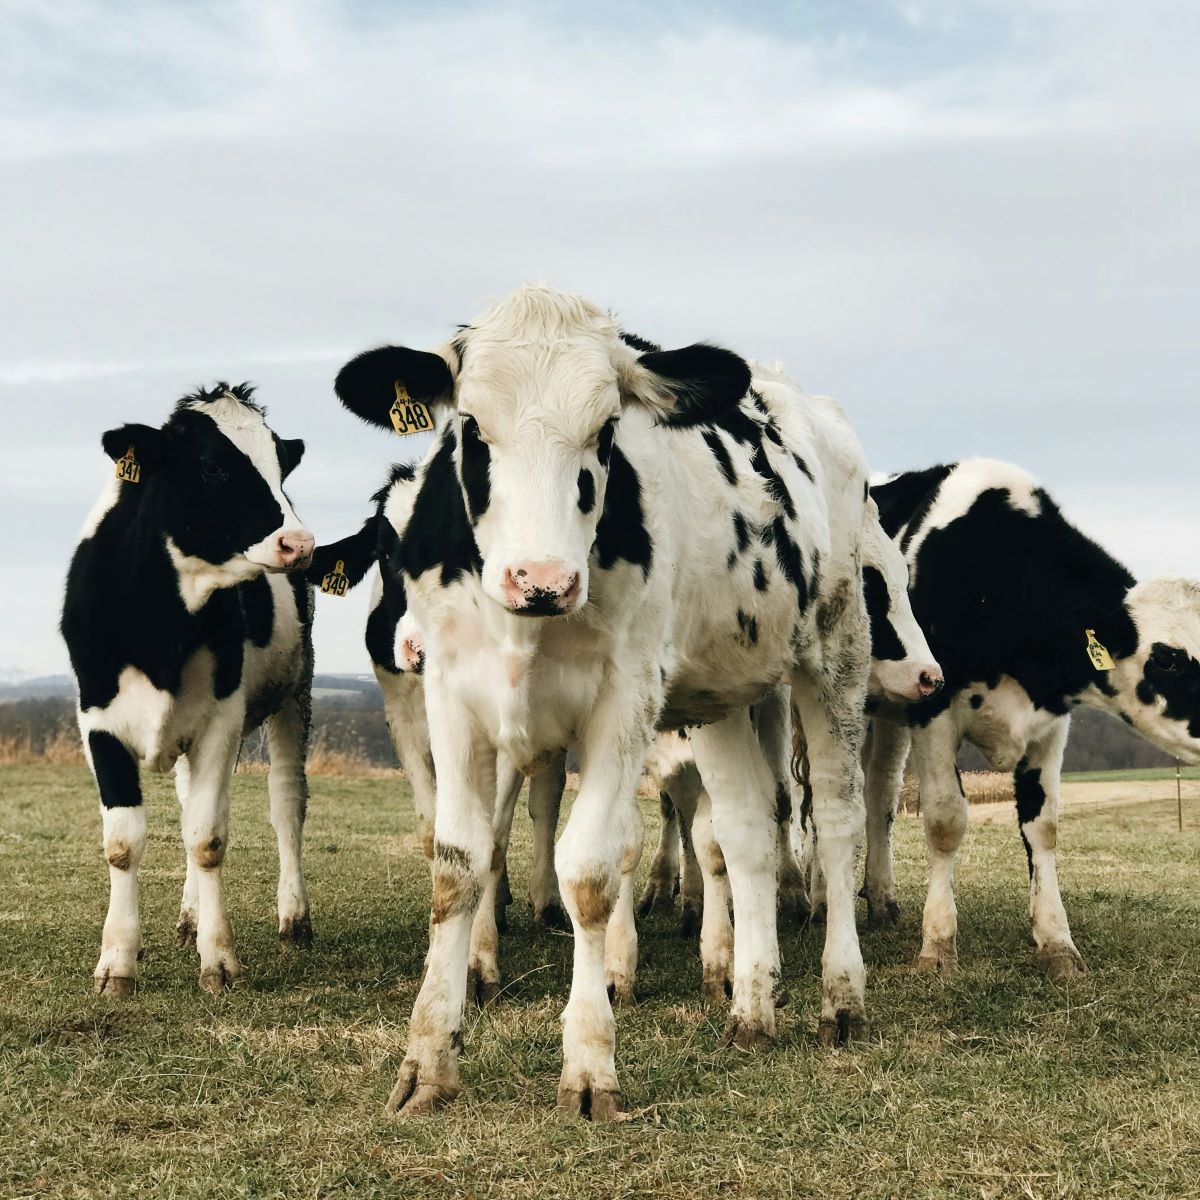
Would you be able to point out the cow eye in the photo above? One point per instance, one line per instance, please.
(213, 473)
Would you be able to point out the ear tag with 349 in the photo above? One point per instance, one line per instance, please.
(129, 470)
(336, 583)
(409, 416)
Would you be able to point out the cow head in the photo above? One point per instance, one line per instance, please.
(1158, 686)
(536, 389)
(212, 477)
(903, 668)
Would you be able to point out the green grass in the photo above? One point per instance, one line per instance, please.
(1133, 776)
(994, 1083)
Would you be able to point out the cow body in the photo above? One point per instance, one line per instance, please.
(183, 637)
(1012, 596)
(581, 583)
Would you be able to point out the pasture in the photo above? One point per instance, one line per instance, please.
(990, 1083)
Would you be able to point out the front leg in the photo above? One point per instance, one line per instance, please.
(886, 753)
(116, 773)
(287, 786)
(620, 938)
(462, 855)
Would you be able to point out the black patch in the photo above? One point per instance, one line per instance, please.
(976, 701)
(748, 626)
(1172, 673)
(476, 467)
(885, 642)
(621, 531)
(1030, 796)
(366, 385)
(706, 381)
(760, 576)
(809, 475)
(776, 488)
(712, 439)
(640, 344)
(741, 531)
(907, 499)
(604, 441)
(116, 771)
(783, 803)
(789, 558)
(258, 610)
(587, 491)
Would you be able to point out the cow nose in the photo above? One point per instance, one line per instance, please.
(541, 588)
(929, 681)
(294, 549)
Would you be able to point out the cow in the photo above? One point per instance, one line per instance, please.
(185, 631)
(1029, 619)
(608, 538)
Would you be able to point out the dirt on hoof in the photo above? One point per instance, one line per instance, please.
(219, 978)
(620, 992)
(883, 916)
(480, 991)
(1061, 963)
(716, 988)
(185, 933)
(939, 959)
(553, 917)
(689, 921)
(118, 987)
(589, 1103)
(411, 1098)
(843, 1027)
(747, 1035)
(658, 897)
(782, 996)
(296, 934)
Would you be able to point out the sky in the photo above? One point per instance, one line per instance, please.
(975, 223)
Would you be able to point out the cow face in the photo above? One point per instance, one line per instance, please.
(536, 390)
(1159, 685)
(212, 479)
(903, 668)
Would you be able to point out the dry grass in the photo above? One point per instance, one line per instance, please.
(60, 748)
(980, 787)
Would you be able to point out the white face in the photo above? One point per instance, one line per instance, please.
(535, 428)
(1159, 686)
(902, 665)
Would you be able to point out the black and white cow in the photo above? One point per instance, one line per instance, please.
(607, 538)
(1028, 618)
(184, 633)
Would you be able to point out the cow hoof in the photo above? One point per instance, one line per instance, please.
(689, 920)
(620, 992)
(745, 1034)
(219, 978)
(185, 932)
(885, 915)
(939, 958)
(590, 1103)
(119, 987)
(782, 996)
(480, 990)
(716, 987)
(844, 1026)
(295, 933)
(659, 897)
(1061, 962)
(553, 917)
(411, 1098)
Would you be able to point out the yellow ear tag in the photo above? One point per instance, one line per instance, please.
(409, 416)
(1101, 659)
(129, 470)
(336, 583)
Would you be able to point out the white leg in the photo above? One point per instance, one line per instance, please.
(545, 800)
(716, 928)
(462, 854)
(885, 755)
(772, 720)
(287, 785)
(124, 821)
(189, 905)
(1036, 782)
(691, 876)
(620, 937)
(742, 791)
(944, 813)
(663, 882)
(483, 968)
(404, 707)
(205, 823)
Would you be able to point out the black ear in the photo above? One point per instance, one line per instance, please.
(291, 452)
(356, 553)
(705, 381)
(366, 385)
(149, 444)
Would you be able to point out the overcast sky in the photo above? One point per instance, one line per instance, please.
(976, 224)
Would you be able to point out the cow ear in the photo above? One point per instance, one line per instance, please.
(356, 553)
(690, 386)
(149, 445)
(293, 452)
(370, 384)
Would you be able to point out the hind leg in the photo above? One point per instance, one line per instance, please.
(287, 785)
(886, 753)
(663, 883)
(545, 801)
(189, 905)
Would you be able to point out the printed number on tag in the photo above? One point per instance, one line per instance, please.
(128, 468)
(408, 415)
(336, 583)
(1101, 659)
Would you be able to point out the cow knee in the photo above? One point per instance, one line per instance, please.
(207, 849)
(591, 897)
(124, 837)
(945, 828)
(456, 883)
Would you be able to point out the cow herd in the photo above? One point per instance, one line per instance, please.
(667, 561)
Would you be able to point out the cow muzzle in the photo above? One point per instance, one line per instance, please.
(294, 549)
(907, 682)
(540, 589)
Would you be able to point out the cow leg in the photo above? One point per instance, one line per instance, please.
(716, 928)
(830, 710)
(124, 822)
(189, 905)
(591, 853)
(205, 822)
(1037, 779)
(483, 970)
(773, 721)
(885, 756)
(691, 876)
(287, 786)
(545, 800)
(663, 883)
(620, 937)
(404, 707)
(944, 813)
(462, 854)
(742, 791)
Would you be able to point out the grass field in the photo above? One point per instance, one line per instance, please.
(994, 1083)
(1151, 774)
